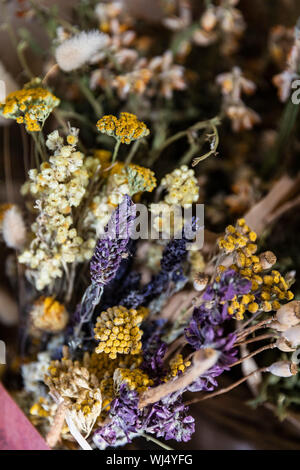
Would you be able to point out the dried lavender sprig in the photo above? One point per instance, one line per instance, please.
(110, 250)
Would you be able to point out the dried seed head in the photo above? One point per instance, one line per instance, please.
(289, 314)
(201, 281)
(267, 259)
(278, 326)
(292, 335)
(283, 369)
(283, 345)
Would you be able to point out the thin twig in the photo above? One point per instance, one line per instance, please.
(226, 389)
(263, 348)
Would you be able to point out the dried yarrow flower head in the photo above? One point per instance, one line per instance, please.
(267, 288)
(12, 226)
(118, 331)
(140, 179)
(125, 129)
(48, 314)
(80, 49)
(135, 379)
(31, 105)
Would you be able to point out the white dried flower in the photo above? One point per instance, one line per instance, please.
(283, 369)
(283, 345)
(292, 335)
(13, 228)
(80, 49)
(289, 314)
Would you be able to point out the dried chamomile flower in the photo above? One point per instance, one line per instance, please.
(125, 129)
(118, 331)
(135, 379)
(31, 106)
(49, 315)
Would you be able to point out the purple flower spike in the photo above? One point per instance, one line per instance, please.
(112, 247)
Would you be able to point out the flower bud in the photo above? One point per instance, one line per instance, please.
(201, 282)
(209, 19)
(283, 369)
(292, 335)
(283, 345)
(267, 259)
(289, 314)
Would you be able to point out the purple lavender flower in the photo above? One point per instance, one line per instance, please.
(112, 245)
(167, 419)
(171, 262)
(206, 326)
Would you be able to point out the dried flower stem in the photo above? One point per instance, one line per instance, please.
(55, 430)
(263, 348)
(159, 443)
(203, 360)
(227, 389)
(116, 151)
(253, 340)
(251, 329)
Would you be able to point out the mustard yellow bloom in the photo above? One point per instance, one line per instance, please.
(125, 129)
(31, 106)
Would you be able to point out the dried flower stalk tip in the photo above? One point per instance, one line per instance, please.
(292, 335)
(267, 259)
(283, 345)
(289, 314)
(283, 369)
(201, 281)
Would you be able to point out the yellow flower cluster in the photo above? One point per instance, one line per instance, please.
(118, 331)
(268, 288)
(49, 315)
(59, 186)
(177, 366)
(140, 179)
(125, 129)
(240, 238)
(135, 379)
(30, 106)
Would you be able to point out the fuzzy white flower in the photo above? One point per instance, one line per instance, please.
(80, 49)
(13, 228)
